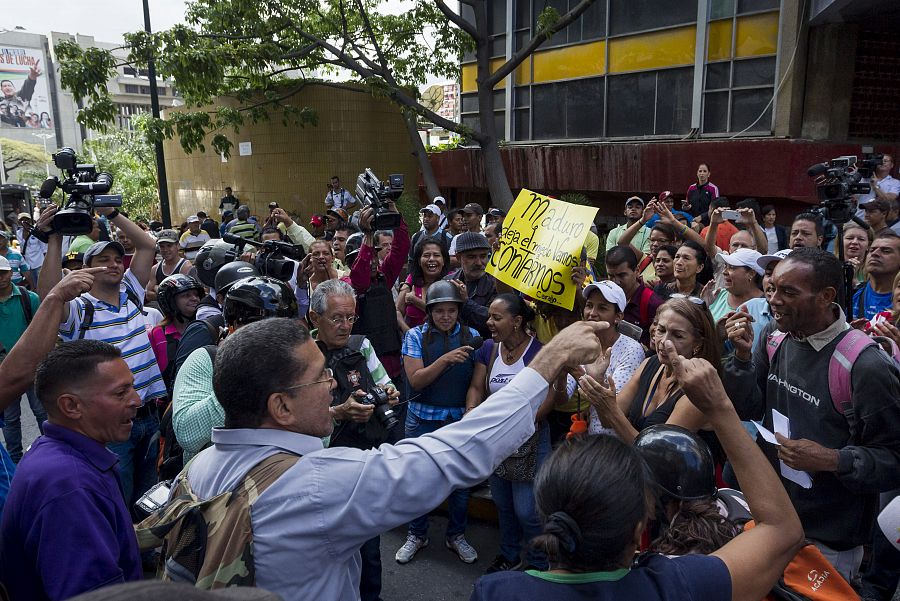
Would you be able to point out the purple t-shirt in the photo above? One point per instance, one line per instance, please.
(656, 578)
(65, 527)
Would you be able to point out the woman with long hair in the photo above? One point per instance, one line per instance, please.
(508, 351)
(856, 246)
(430, 263)
(652, 395)
(595, 497)
(438, 361)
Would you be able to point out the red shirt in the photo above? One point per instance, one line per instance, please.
(723, 234)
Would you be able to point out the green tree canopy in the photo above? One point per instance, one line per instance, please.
(22, 155)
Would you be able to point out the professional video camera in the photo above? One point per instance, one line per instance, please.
(86, 189)
(838, 180)
(274, 259)
(383, 410)
(374, 193)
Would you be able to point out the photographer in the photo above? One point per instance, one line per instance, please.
(372, 281)
(113, 312)
(337, 197)
(356, 370)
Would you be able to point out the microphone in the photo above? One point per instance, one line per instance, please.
(476, 343)
(817, 170)
(49, 187)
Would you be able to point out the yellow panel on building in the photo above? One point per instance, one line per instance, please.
(470, 74)
(757, 35)
(655, 50)
(570, 62)
(719, 46)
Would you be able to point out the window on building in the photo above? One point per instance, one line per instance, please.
(737, 95)
(143, 72)
(591, 25)
(567, 109)
(130, 71)
(628, 16)
(131, 89)
(469, 112)
(652, 103)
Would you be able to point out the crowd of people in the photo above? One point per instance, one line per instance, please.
(722, 401)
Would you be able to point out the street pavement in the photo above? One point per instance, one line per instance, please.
(435, 574)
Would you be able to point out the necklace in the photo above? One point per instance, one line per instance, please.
(510, 353)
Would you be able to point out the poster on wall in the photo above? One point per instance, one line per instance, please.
(24, 90)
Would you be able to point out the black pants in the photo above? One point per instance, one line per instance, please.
(879, 581)
(370, 575)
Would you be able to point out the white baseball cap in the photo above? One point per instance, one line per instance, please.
(4, 264)
(611, 291)
(433, 208)
(193, 219)
(744, 257)
(764, 260)
(439, 199)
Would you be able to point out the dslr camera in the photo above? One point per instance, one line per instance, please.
(838, 180)
(383, 410)
(86, 188)
(374, 193)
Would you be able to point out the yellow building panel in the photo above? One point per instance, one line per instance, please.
(655, 50)
(570, 62)
(523, 72)
(757, 35)
(719, 46)
(470, 74)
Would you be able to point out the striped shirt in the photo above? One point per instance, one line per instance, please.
(124, 327)
(18, 264)
(191, 243)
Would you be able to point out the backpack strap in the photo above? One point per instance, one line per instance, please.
(26, 304)
(211, 351)
(845, 354)
(773, 342)
(644, 263)
(87, 319)
(644, 305)
(355, 342)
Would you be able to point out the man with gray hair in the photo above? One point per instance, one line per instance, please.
(327, 502)
(356, 370)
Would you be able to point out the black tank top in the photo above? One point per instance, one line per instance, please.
(647, 384)
(161, 275)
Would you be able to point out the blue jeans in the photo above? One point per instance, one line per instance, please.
(137, 458)
(457, 502)
(12, 430)
(7, 469)
(370, 574)
(517, 511)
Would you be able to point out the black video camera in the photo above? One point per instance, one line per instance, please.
(274, 259)
(86, 188)
(838, 180)
(374, 193)
(383, 410)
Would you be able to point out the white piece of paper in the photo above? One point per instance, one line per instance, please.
(765, 433)
(782, 425)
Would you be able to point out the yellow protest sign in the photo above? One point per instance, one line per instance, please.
(541, 243)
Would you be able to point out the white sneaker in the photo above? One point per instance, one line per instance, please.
(410, 548)
(459, 545)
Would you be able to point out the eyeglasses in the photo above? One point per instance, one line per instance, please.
(694, 299)
(339, 319)
(329, 377)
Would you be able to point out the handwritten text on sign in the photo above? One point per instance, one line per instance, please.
(541, 243)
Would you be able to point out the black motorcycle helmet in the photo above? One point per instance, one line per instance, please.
(211, 257)
(443, 291)
(680, 462)
(351, 250)
(258, 297)
(171, 287)
(232, 272)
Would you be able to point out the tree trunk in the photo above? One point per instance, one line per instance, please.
(418, 149)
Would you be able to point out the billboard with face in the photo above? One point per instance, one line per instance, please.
(24, 90)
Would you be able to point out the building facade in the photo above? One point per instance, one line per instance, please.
(753, 87)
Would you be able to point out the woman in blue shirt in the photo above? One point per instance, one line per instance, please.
(438, 361)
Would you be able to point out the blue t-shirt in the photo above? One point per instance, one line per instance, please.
(872, 302)
(657, 577)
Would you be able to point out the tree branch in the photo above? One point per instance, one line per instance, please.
(532, 45)
(458, 20)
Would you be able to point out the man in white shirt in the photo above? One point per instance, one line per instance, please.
(337, 197)
(883, 186)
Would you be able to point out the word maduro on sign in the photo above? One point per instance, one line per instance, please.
(541, 243)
